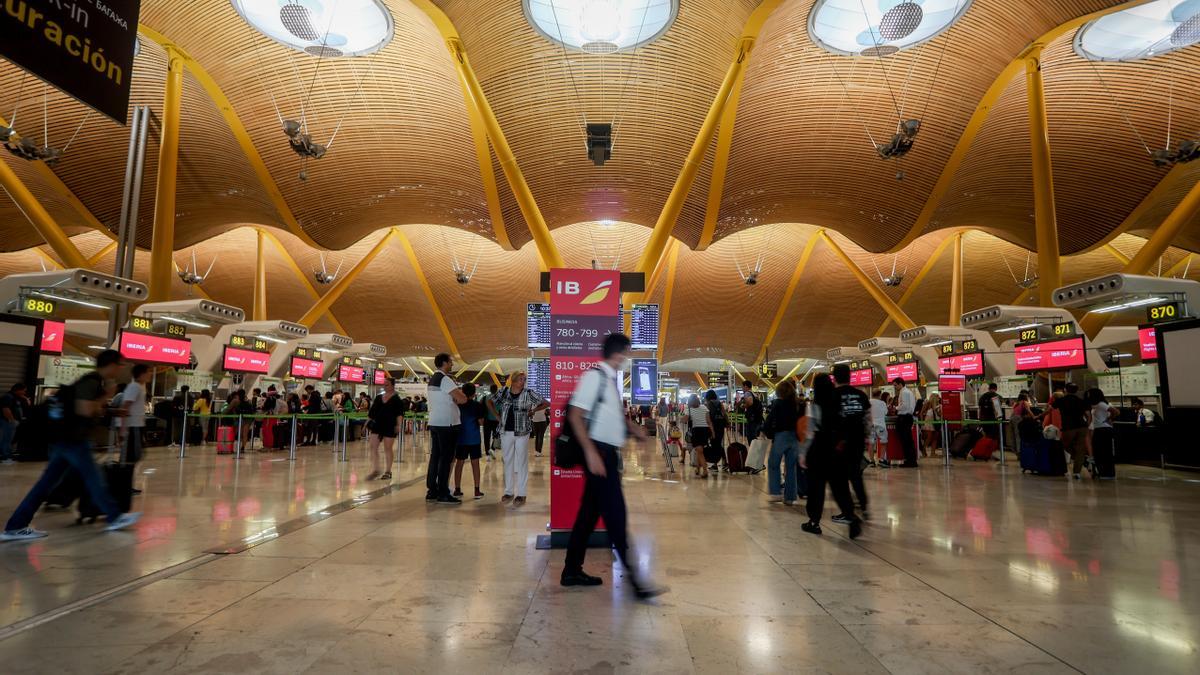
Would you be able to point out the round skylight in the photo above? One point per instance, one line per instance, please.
(880, 27)
(601, 26)
(321, 27)
(1141, 32)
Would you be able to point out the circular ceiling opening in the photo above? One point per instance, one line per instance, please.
(880, 27)
(327, 28)
(601, 26)
(1141, 32)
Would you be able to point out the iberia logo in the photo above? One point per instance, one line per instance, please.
(598, 294)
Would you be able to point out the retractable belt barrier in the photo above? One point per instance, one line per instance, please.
(341, 428)
(943, 426)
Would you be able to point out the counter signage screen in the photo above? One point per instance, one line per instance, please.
(246, 361)
(537, 325)
(909, 371)
(352, 374)
(380, 377)
(1052, 355)
(970, 365)
(864, 377)
(309, 368)
(644, 381)
(53, 333)
(952, 383)
(155, 349)
(1147, 341)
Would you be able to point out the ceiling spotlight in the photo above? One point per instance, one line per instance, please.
(27, 149)
(599, 143)
(902, 141)
(323, 276)
(190, 274)
(751, 279)
(893, 280)
(1164, 157)
(462, 277)
(302, 143)
(1189, 151)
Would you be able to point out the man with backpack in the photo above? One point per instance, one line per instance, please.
(854, 427)
(73, 415)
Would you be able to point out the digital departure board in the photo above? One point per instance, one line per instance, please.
(537, 325)
(643, 327)
(538, 377)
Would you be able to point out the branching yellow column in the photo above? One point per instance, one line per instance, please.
(668, 294)
(259, 311)
(786, 300)
(321, 306)
(163, 243)
(956, 283)
(1045, 219)
(893, 310)
(40, 218)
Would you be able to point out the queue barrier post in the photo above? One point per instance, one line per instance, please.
(292, 444)
(237, 440)
(183, 436)
(1000, 424)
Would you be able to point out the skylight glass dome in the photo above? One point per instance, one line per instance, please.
(885, 27)
(321, 27)
(1141, 32)
(601, 26)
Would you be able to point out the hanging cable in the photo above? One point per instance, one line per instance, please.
(1118, 107)
(582, 114)
(619, 113)
(77, 130)
(320, 57)
(938, 68)
(857, 113)
(887, 78)
(353, 100)
(12, 120)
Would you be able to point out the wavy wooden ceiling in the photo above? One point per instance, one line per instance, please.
(405, 156)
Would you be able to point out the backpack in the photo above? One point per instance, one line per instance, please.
(719, 419)
(64, 422)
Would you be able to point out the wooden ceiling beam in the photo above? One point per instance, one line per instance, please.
(249, 149)
(983, 109)
(716, 186)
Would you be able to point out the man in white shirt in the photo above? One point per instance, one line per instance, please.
(906, 403)
(598, 420)
(444, 397)
(133, 401)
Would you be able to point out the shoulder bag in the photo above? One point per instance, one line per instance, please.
(568, 452)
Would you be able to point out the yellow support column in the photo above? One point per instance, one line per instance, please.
(1045, 220)
(424, 281)
(893, 310)
(259, 310)
(956, 283)
(786, 300)
(668, 293)
(321, 306)
(163, 243)
(691, 165)
(40, 218)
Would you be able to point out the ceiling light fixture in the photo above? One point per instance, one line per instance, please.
(1128, 305)
(271, 338)
(1013, 329)
(327, 28)
(64, 298)
(882, 27)
(1142, 32)
(601, 26)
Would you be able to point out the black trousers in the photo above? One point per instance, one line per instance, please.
(854, 471)
(904, 426)
(827, 467)
(539, 435)
(443, 441)
(602, 496)
(489, 429)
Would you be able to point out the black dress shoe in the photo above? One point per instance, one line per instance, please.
(811, 527)
(644, 591)
(580, 578)
(855, 528)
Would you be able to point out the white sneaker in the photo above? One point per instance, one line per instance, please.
(8, 461)
(22, 534)
(123, 521)
(790, 502)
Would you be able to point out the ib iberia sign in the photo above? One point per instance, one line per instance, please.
(83, 47)
(583, 306)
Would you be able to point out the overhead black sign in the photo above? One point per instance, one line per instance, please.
(83, 47)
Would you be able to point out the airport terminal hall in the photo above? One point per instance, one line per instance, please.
(600, 336)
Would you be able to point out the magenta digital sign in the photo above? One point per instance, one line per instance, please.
(309, 368)
(246, 361)
(381, 377)
(55, 332)
(970, 365)
(1147, 343)
(353, 374)
(910, 372)
(155, 349)
(862, 378)
(1052, 355)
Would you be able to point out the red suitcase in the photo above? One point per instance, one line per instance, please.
(735, 458)
(984, 449)
(268, 433)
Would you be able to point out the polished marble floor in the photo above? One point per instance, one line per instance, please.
(971, 569)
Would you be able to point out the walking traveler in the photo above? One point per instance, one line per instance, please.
(780, 427)
(819, 456)
(1100, 420)
(700, 427)
(12, 413)
(718, 421)
(1074, 429)
(444, 397)
(906, 407)
(383, 425)
(514, 405)
(931, 416)
(471, 413)
(73, 415)
(133, 416)
(598, 422)
(752, 408)
(990, 411)
(854, 427)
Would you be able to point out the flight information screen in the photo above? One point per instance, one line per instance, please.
(538, 377)
(537, 325)
(643, 327)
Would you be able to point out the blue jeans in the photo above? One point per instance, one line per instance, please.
(785, 448)
(64, 457)
(7, 431)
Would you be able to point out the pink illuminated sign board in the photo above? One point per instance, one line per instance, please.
(155, 349)
(246, 361)
(1056, 354)
(862, 378)
(354, 374)
(909, 371)
(381, 377)
(970, 365)
(53, 333)
(1146, 341)
(307, 368)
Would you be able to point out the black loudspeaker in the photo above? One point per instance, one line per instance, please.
(599, 143)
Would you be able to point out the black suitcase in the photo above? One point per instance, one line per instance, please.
(964, 441)
(119, 479)
(69, 488)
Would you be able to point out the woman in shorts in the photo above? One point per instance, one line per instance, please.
(879, 438)
(383, 423)
(701, 430)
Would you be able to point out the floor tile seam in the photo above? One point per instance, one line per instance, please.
(525, 615)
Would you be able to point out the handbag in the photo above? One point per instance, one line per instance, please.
(568, 452)
(1051, 433)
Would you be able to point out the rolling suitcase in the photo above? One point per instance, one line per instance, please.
(1032, 457)
(963, 442)
(69, 487)
(119, 479)
(757, 459)
(225, 439)
(984, 449)
(735, 458)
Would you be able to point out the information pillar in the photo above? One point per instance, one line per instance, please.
(583, 310)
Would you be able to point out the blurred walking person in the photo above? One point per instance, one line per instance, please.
(819, 455)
